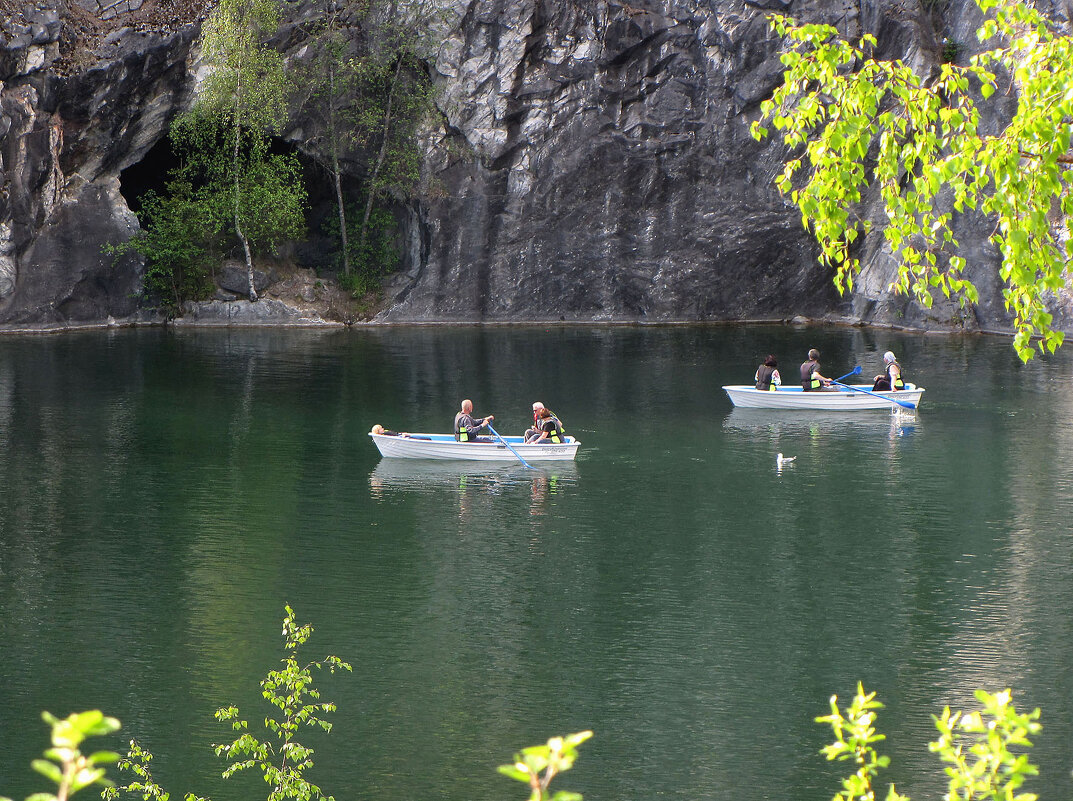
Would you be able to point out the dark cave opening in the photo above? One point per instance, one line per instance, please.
(317, 250)
(149, 174)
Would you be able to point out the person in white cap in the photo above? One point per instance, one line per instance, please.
(534, 431)
(891, 377)
(541, 423)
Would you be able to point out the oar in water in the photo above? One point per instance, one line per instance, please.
(903, 404)
(855, 371)
(520, 459)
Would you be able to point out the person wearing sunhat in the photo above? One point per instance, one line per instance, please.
(891, 377)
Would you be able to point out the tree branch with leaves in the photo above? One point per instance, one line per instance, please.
(855, 122)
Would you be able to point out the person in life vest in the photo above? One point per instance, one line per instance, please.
(811, 379)
(467, 426)
(551, 430)
(891, 377)
(534, 431)
(767, 375)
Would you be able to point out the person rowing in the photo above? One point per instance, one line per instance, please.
(811, 379)
(467, 427)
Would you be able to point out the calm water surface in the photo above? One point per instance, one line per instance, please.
(164, 494)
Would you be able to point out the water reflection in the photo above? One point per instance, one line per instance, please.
(426, 475)
(474, 482)
(776, 421)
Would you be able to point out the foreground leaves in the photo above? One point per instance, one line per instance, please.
(979, 748)
(64, 764)
(539, 764)
(290, 690)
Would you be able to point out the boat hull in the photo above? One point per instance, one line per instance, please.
(844, 400)
(444, 446)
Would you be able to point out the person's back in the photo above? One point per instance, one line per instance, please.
(767, 376)
(811, 379)
(462, 424)
(558, 422)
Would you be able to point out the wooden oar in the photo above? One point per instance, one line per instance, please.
(903, 404)
(520, 459)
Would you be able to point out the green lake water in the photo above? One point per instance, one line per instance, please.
(164, 494)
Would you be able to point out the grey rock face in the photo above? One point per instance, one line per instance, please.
(611, 174)
(66, 139)
(593, 162)
(67, 277)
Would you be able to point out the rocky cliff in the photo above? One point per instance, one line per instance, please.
(592, 161)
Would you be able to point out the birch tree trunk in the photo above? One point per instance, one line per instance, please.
(370, 195)
(333, 133)
(238, 183)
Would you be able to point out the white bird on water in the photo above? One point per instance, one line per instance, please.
(780, 460)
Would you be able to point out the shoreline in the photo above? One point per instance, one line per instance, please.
(318, 323)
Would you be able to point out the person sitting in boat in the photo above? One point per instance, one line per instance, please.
(467, 427)
(551, 430)
(536, 429)
(891, 377)
(811, 379)
(767, 376)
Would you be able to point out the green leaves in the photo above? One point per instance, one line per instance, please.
(291, 691)
(246, 80)
(855, 735)
(867, 123)
(64, 764)
(976, 747)
(539, 764)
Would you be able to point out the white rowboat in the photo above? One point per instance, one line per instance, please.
(444, 446)
(842, 400)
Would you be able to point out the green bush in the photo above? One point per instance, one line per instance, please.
(369, 264)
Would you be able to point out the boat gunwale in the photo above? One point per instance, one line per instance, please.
(444, 446)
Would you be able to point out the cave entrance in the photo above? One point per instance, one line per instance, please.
(152, 172)
(149, 174)
(319, 249)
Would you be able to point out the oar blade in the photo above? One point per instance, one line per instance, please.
(855, 371)
(509, 448)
